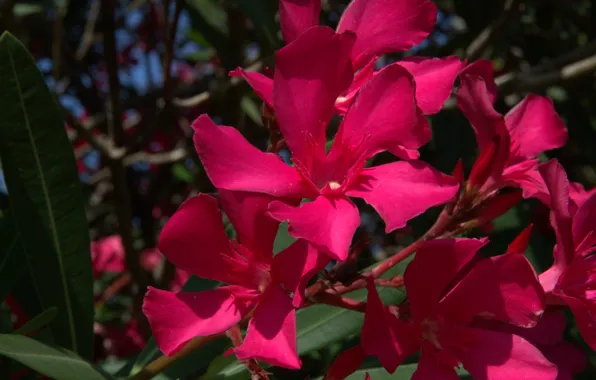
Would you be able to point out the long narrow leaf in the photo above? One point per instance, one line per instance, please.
(45, 196)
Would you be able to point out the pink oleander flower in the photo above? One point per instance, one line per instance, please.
(380, 26)
(572, 278)
(107, 255)
(194, 239)
(508, 144)
(548, 337)
(310, 73)
(449, 289)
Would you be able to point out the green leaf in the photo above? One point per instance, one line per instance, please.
(38, 321)
(22, 10)
(251, 109)
(45, 196)
(12, 261)
(283, 239)
(404, 371)
(49, 361)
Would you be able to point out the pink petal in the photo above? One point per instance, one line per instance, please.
(584, 319)
(525, 175)
(261, 84)
(107, 255)
(503, 287)
(327, 222)
(520, 244)
(232, 163)
(440, 260)
(384, 26)
(484, 69)
(295, 16)
(194, 239)
(570, 360)
(578, 194)
(584, 223)
(176, 318)
(535, 127)
(475, 100)
(271, 335)
(402, 190)
(346, 363)
(310, 73)
(384, 115)
(500, 356)
(296, 265)
(383, 335)
(434, 78)
(429, 368)
(344, 101)
(556, 181)
(246, 211)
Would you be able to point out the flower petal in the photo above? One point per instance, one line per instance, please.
(310, 73)
(475, 99)
(434, 78)
(261, 84)
(429, 368)
(194, 240)
(246, 211)
(296, 16)
(327, 222)
(384, 115)
(440, 260)
(385, 26)
(346, 363)
(271, 335)
(402, 190)
(557, 183)
(502, 287)
(535, 127)
(176, 318)
(232, 163)
(383, 335)
(584, 319)
(296, 265)
(344, 101)
(500, 356)
(584, 223)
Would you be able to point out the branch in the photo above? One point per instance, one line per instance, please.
(481, 42)
(89, 34)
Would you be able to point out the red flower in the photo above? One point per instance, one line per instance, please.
(310, 73)
(572, 278)
(194, 239)
(509, 144)
(449, 289)
(380, 26)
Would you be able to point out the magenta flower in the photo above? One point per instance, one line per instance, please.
(572, 278)
(194, 239)
(380, 26)
(310, 73)
(508, 144)
(548, 337)
(449, 288)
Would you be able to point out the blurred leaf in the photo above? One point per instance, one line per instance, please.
(49, 361)
(251, 109)
(181, 173)
(210, 23)
(38, 321)
(24, 9)
(12, 262)
(44, 187)
(262, 15)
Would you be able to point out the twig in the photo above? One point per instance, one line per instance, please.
(481, 42)
(89, 33)
(122, 199)
(169, 55)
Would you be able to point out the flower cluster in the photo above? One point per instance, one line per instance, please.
(484, 314)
